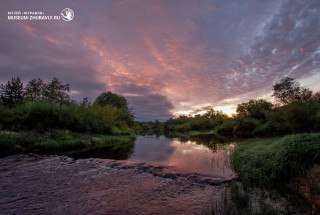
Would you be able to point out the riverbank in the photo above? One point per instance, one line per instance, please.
(60, 142)
(286, 164)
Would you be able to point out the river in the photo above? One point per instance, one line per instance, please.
(157, 175)
(185, 156)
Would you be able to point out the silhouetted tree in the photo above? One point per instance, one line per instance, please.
(112, 99)
(255, 108)
(288, 91)
(56, 92)
(85, 102)
(213, 114)
(12, 92)
(34, 90)
(316, 97)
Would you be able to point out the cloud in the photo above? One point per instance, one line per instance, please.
(165, 57)
(287, 46)
(151, 106)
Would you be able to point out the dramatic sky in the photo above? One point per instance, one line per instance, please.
(167, 57)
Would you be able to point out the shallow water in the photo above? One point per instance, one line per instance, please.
(201, 156)
(61, 185)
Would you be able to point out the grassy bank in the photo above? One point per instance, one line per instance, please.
(273, 161)
(58, 141)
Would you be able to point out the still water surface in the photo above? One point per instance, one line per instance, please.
(200, 155)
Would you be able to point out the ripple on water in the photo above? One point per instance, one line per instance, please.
(57, 184)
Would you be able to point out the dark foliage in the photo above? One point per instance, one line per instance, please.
(12, 92)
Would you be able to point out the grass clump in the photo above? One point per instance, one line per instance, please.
(272, 161)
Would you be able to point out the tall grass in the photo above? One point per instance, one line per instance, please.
(272, 161)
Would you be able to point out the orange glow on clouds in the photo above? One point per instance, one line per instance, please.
(179, 57)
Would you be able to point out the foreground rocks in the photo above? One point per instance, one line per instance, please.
(61, 185)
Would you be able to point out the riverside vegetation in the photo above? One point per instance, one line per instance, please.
(278, 142)
(42, 118)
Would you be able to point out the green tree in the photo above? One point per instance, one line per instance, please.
(112, 99)
(316, 97)
(85, 102)
(34, 90)
(288, 91)
(12, 92)
(213, 114)
(115, 100)
(255, 108)
(56, 92)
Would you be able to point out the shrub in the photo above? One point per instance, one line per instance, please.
(60, 134)
(262, 130)
(43, 116)
(7, 146)
(226, 128)
(244, 126)
(201, 123)
(184, 128)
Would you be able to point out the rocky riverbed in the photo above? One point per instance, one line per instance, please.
(31, 184)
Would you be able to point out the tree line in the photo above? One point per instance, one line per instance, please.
(296, 110)
(45, 105)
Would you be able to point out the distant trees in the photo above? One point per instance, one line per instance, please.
(34, 90)
(56, 92)
(150, 128)
(12, 92)
(255, 108)
(299, 112)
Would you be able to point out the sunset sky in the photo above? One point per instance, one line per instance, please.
(165, 57)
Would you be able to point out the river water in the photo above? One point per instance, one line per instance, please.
(155, 175)
(203, 156)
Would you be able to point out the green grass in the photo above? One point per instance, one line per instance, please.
(58, 141)
(201, 132)
(267, 162)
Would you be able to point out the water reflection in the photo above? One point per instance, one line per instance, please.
(203, 156)
(122, 152)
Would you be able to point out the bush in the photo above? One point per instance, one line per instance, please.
(300, 117)
(60, 134)
(226, 128)
(244, 126)
(43, 116)
(201, 123)
(262, 130)
(121, 131)
(7, 146)
(184, 128)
